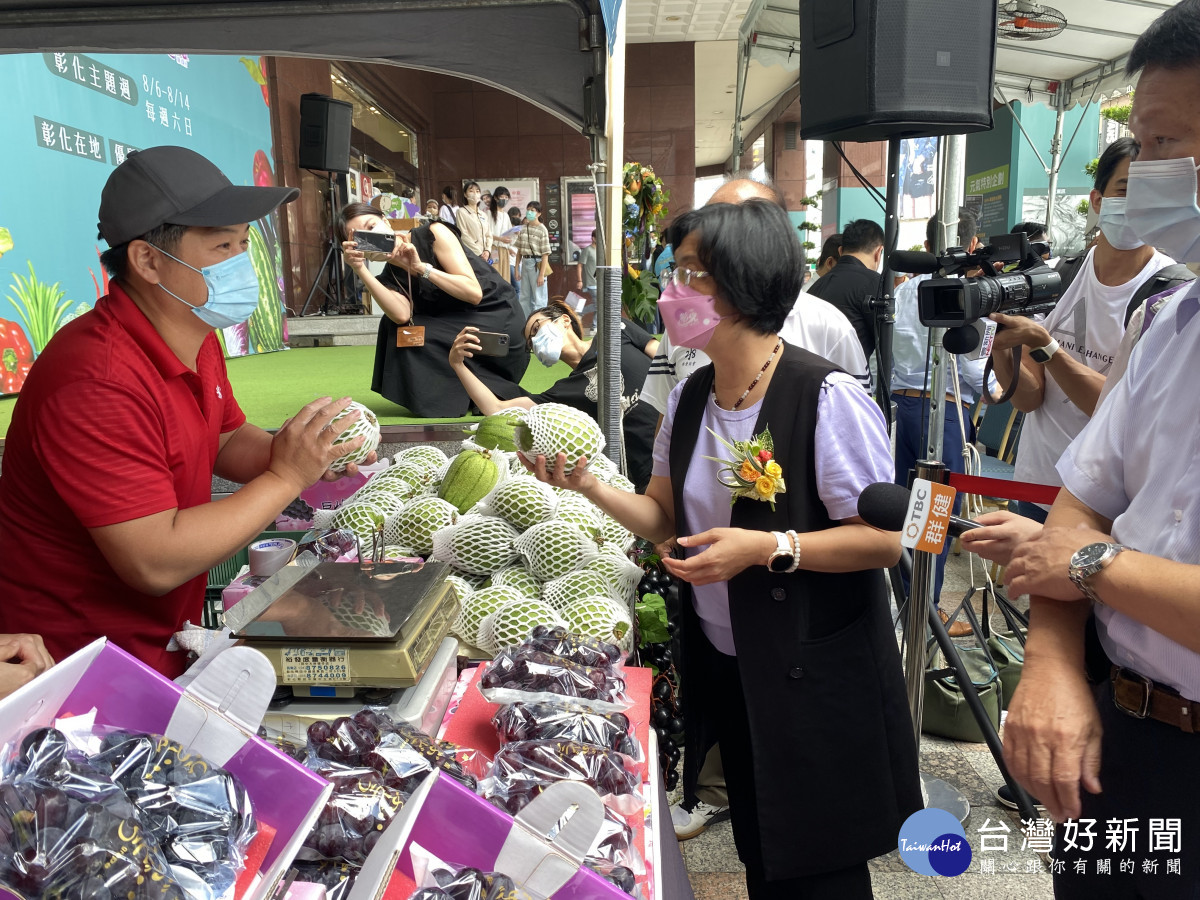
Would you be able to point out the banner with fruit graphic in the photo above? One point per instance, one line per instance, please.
(74, 117)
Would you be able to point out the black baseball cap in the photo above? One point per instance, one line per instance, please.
(177, 186)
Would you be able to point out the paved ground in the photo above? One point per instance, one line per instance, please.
(716, 873)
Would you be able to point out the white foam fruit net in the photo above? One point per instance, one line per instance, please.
(554, 548)
(362, 519)
(520, 578)
(365, 426)
(616, 536)
(580, 512)
(389, 495)
(415, 525)
(462, 588)
(417, 476)
(476, 607)
(562, 592)
(429, 458)
(522, 502)
(553, 428)
(622, 574)
(513, 622)
(602, 618)
(480, 545)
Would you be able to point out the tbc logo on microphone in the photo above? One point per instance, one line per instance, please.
(928, 516)
(932, 842)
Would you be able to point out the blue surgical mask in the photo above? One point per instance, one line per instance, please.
(1115, 225)
(531, 215)
(232, 290)
(1160, 206)
(547, 345)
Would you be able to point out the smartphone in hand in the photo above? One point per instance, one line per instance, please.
(492, 343)
(375, 242)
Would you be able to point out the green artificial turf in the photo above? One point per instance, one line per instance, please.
(272, 386)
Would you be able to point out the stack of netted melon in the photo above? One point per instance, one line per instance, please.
(524, 553)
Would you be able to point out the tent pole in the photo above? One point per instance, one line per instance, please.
(1055, 161)
(609, 202)
(743, 65)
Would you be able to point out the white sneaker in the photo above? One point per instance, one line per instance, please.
(691, 823)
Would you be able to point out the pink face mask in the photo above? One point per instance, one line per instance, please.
(690, 317)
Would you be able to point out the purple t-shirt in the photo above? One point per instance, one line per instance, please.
(852, 451)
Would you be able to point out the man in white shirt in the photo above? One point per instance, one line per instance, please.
(1123, 541)
(813, 323)
(1078, 340)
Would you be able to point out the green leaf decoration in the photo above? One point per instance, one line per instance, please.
(41, 307)
(6, 241)
(652, 619)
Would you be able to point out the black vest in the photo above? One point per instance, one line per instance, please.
(835, 764)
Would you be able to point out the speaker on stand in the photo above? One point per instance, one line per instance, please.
(325, 146)
(883, 70)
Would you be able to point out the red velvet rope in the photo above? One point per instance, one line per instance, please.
(1004, 489)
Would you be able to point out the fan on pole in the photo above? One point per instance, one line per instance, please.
(1024, 20)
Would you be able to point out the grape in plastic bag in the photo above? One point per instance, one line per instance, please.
(578, 648)
(521, 674)
(523, 769)
(565, 721)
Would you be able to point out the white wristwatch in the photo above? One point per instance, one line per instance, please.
(1044, 354)
(783, 558)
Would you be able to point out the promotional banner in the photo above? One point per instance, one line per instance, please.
(70, 119)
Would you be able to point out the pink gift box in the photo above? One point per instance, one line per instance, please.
(447, 821)
(216, 716)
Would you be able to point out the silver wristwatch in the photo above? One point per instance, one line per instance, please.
(1089, 560)
(428, 270)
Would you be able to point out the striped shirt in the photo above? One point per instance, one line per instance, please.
(533, 241)
(1131, 465)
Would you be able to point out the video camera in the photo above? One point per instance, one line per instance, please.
(955, 299)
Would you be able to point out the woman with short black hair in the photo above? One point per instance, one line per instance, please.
(791, 659)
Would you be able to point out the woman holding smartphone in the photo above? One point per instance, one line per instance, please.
(555, 334)
(429, 290)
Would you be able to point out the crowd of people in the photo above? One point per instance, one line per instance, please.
(794, 695)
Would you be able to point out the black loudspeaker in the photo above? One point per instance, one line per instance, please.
(877, 69)
(325, 133)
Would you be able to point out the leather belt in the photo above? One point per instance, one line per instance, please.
(1138, 696)
(912, 392)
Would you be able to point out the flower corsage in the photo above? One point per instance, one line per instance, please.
(753, 472)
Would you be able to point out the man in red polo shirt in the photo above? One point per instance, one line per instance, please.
(108, 527)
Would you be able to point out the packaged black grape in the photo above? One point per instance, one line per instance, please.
(521, 770)
(587, 651)
(354, 817)
(442, 881)
(569, 722)
(92, 813)
(400, 753)
(336, 876)
(522, 674)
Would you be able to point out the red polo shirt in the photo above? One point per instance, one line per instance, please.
(109, 427)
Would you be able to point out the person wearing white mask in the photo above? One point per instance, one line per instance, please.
(1121, 543)
(555, 334)
(1067, 355)
(472, 221)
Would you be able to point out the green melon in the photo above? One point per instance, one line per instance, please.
(553, 428)
(366, 426)
(520, 578)
(478, 606)
(602, 618)
(416, 524)
(495, 432)
(480, 545)
(562, 592)
(552, 549)
(513, 622)
(523, 502)
(470, 478)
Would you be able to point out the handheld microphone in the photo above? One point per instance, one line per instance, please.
(884, 505)
(915, 262)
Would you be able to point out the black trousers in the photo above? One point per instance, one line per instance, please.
(728, 707)
(1150, 773)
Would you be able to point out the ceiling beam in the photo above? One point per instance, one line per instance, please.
(1149, 4)
(1018, 47)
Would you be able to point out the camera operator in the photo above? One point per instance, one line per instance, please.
(1121, 541)
(1076, 343)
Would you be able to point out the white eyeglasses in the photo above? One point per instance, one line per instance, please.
(683, 276)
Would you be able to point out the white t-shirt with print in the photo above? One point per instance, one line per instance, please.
(1088, 323)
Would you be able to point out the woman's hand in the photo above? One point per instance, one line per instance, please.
(580, 479)
(541, 279)
(354, 257)
(405, 255)
(730, 551)
(465, 346)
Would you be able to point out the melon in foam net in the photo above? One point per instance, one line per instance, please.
(366, 426)
(553, 428)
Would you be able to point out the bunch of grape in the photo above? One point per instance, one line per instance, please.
(665, 714)
(470, 884)
(621, 876)
(402, 755)
(523, 769)
(524, 669)
(558, 721)
(584, 650)
(337, 877)
(354, 817)
(73, 825)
